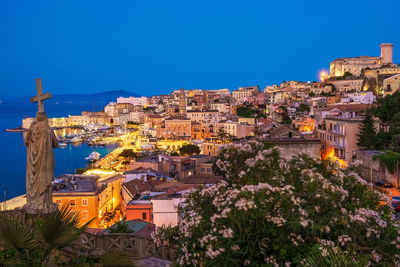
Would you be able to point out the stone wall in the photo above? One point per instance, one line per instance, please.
(371, 169)
(136, 246)
(290, 147)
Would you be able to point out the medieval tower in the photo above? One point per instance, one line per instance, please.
(182, 103)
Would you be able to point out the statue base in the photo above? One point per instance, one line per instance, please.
(34, 211)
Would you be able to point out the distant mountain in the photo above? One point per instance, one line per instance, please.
(103, 97)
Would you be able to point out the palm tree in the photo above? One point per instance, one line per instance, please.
(23, 243)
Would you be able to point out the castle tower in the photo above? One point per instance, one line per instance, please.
(387, 53)
(182, 102)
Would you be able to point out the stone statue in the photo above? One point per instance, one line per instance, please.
(40, 141)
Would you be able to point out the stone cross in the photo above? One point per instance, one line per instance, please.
(40, 96)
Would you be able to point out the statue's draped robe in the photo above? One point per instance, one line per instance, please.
(40, 141)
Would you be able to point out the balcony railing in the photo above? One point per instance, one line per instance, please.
(336, 132)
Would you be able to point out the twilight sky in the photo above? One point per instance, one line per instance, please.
(153, 47)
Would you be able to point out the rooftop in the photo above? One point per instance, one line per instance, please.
(75, 183)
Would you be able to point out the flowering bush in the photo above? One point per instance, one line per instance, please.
(271, 212)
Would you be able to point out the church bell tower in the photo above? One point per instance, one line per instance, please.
(182, 103)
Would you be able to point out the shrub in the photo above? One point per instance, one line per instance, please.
(268, 211)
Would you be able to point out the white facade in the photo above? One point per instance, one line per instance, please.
(165, 211)
(110, 109)
(136, 117)
(136, 101)
(221, 107)
(363, 98)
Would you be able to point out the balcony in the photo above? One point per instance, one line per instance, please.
(336, 132)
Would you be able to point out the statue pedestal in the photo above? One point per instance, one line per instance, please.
(34, 211)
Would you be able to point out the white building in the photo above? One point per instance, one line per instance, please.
(136, 101)
(362, 97)
(165, 211)
(136, 117)
(111, 109)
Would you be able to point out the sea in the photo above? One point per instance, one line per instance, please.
(13, 152)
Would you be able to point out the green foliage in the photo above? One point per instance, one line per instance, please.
(174, 153)
(246, 111)
(285, 117)
(387, 107)
(311, 94)
(347, 73)
(332, 258)
(23, 245)
(120, 227)
(128, 153)
(271, 211)
(189, 149)
(250, 111)
(303, 107)
(367, 138)
(168, 236)
(81, 170)
(390, 160)
(383, 140)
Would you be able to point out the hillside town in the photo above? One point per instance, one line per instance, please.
(169, 144)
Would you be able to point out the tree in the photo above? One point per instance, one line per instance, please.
(347, 74)
(303, 107)
(221, 133)
(285, 117)
(120, 227)
(189, 149)
(58, 230)
(246, 111)
(387, 107)
(311, 94)
(128, 153)
(270, 211)
(367, 138)
(42, 244)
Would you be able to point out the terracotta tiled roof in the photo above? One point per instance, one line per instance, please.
(136, 187)
(349, 107)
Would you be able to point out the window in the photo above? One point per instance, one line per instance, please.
(208, 169)
(84, 202)
(72, 202)
(59, 202)
(144, 215)
(202, 169)
(85, 214)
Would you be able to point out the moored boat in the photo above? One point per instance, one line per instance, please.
(93, 156)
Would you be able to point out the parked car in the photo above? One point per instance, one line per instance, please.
(383, 183)
(395, 204)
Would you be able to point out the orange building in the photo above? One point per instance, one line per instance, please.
(139, 209)
(81, 193)
(177, 127)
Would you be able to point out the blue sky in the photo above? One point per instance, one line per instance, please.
(153, 47)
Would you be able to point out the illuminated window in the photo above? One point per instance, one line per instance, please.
(84, 202)
(59, 202)
(72, 202)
